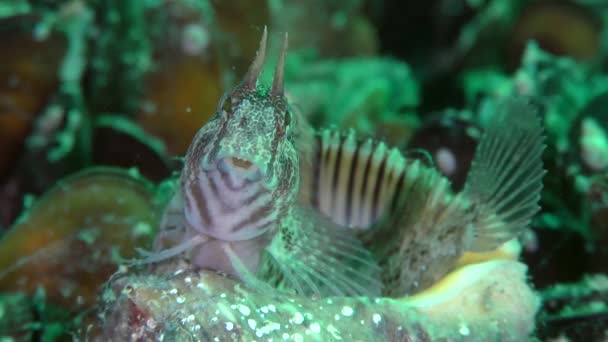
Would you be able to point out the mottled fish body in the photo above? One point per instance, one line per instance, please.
(260, 199)
(236, 207)
(409, 216)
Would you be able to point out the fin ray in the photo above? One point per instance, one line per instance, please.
(505, 179)
(357, 178)
(317, 257)
(153, 257)
(249, 278)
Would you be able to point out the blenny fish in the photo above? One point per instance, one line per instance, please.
(406, 212)
(265, 198)
(236, 209)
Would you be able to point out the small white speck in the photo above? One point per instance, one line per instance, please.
(188, 280)
(251, 323)
(180, 299)
(200, 285)
(297, 318)
(195, 39)
(229, 326)
(347, 311)
(173, 291)
(329, 301)
(267, 329)
(244, 310)
(142, 229)
(298, 338)
(264, 309)
(315, 328)
(197, 327)
(151, 323)
(334, 332)
(337, 317)
(446, 161)
(376, 318)
(464, 330)
(272, 308)
(285, 336)
(222, 295)
(362, 322)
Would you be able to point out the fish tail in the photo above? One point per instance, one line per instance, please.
(505, 179)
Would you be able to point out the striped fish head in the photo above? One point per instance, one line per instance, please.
(241, 171)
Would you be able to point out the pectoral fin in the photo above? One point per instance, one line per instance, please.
(313, 256)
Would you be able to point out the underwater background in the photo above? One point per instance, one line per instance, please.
(100, 99)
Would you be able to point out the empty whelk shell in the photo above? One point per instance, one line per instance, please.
(486, 299)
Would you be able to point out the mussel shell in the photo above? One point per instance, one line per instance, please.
(74, 237)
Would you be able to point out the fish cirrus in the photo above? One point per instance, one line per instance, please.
(265, 198)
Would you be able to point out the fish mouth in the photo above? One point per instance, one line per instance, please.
(240, 163)
(238, 173)
(239, 168)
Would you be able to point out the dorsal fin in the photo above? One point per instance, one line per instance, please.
(354, 181)
(505, 180)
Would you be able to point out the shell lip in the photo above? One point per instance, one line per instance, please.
(470, 268)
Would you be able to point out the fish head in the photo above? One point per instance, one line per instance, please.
(241, 171)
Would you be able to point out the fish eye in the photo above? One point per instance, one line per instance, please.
(226, 104)
(287, 119)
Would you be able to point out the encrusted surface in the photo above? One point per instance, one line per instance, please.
(205, 306)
